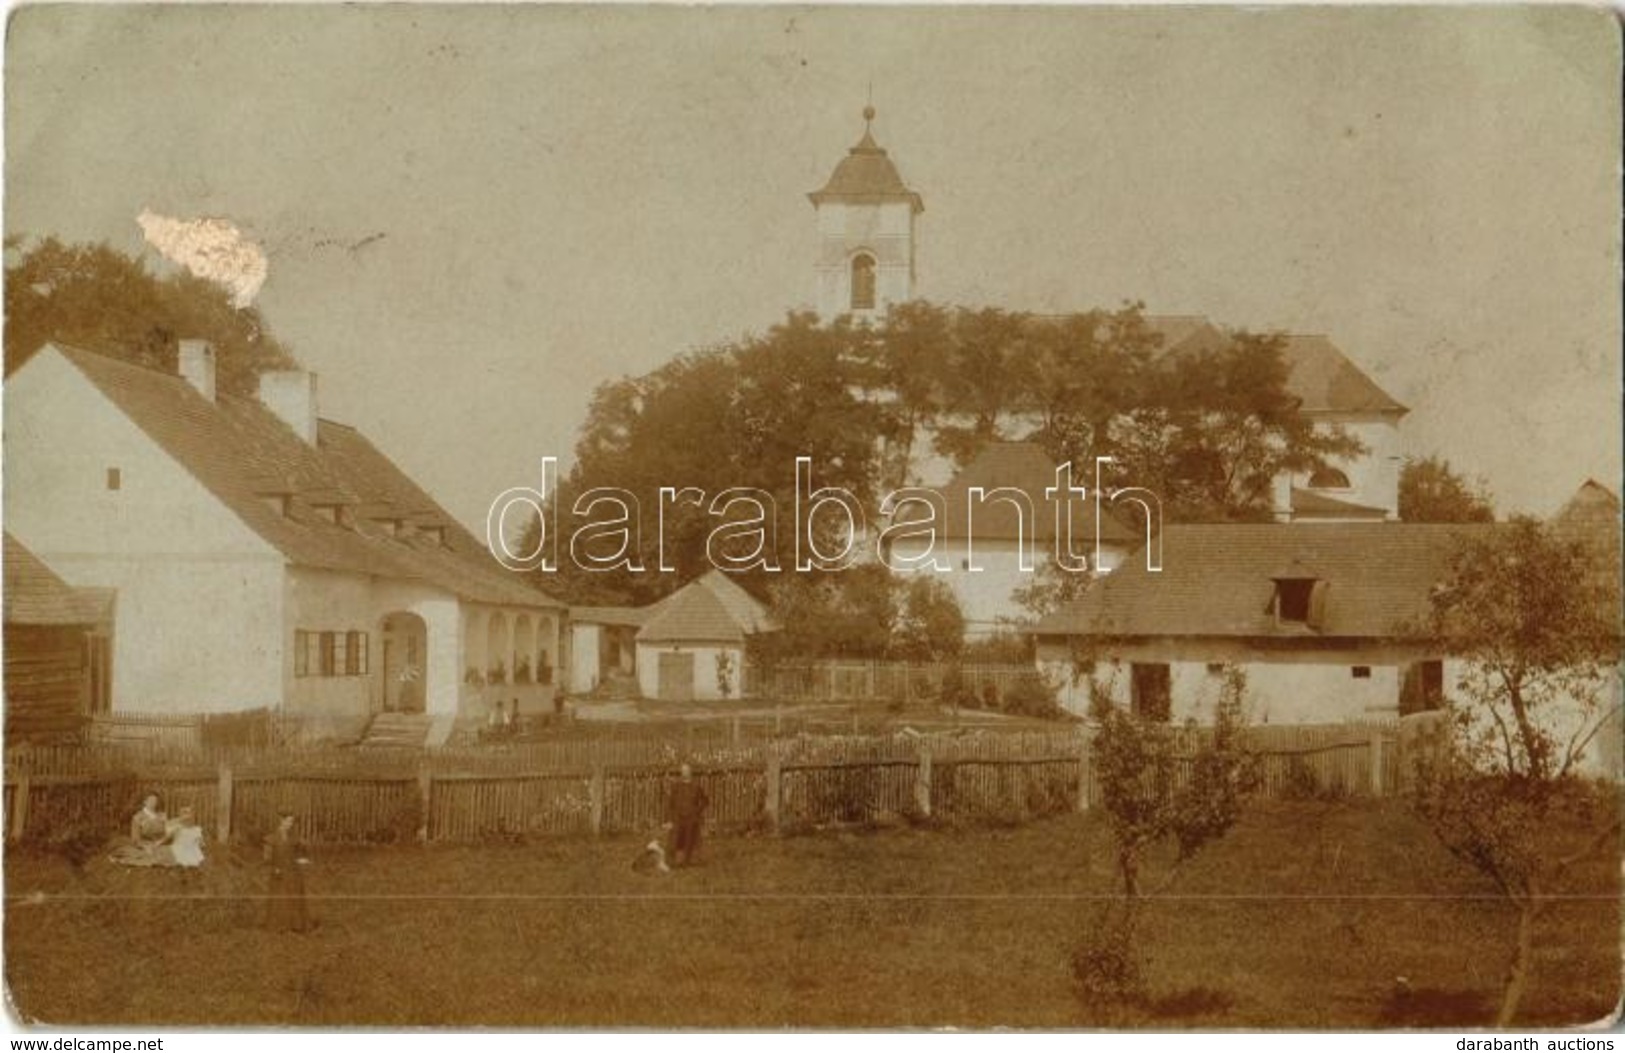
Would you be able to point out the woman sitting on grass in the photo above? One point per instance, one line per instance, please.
(149, 828)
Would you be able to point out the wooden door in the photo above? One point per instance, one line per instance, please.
(676, 676)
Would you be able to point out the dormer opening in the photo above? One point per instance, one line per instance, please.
(1299, 597)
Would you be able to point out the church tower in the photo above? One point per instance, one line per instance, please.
(866, 217)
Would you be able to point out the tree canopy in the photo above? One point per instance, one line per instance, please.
(1207, 432)
(1430, 491)
(100, 299)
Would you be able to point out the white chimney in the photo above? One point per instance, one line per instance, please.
(291, 395)
(196, 363)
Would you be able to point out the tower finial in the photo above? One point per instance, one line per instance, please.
(869, 105)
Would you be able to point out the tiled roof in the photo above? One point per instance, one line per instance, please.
(1217, 580)
(36, 596)
(1026, 467)
(633, 616)
(243, 453)
(866, 174)
(1312, 504)
(711, 608)
(1320, 375)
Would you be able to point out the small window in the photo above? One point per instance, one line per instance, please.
(1215, 668)
(301, 653)
(1360, 672)
(115, 479)
(1329, 479)
(863, 282)
(329, 654)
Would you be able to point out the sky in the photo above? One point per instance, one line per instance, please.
(471, 216)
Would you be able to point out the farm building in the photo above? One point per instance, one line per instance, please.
(1325, 621)
(980, 540)
(57, 650)
(692, 643)
(278, 560)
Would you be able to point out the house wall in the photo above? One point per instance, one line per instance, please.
(199, 593)
(584, 653)
(1283, 686)
(706, 686)
(332, 601)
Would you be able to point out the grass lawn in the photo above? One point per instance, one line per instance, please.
(1302, 918)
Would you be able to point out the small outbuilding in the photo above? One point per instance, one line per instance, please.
(58, 645)
(692, 644)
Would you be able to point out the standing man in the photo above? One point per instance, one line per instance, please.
(685, 815)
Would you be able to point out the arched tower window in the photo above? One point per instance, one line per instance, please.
(863, 282)
(1329, 479)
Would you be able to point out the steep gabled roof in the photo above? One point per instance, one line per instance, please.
(1218, 580)
(711, 609)
(36, 596)
(1026, 467)
(1320, 375)
(245, 455)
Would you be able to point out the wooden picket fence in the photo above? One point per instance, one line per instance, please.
(788, 784)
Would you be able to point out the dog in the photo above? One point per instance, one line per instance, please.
(651, 860)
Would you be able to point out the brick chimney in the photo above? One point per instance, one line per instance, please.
(291, 395)
(196, 365)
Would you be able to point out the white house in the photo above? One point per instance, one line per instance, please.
(260, 556)
(692, 643)
(1328, 624)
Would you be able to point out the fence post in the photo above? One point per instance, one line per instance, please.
(595, 799)
(1376, 762)
(425, 799)
(773, 777)
(1083, 771)
(922, 782)
(19, 805)
(222, 805)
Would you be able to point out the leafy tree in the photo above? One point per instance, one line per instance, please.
(732, 417)
(1431, 492)
(97, 298)
(1139, 763)
(1218, 428)
(930, 626)
(1537, 631)
(1049, 588)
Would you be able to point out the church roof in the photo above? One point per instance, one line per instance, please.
(1311, 504)
(244, 454)
(866, 173)
(1320, 375)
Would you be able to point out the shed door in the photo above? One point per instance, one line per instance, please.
(676, 676)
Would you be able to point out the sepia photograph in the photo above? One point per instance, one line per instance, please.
(576, 518)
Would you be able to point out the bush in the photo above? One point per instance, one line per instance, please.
(1032, 696)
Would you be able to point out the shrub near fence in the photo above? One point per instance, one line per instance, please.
(804, 782)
